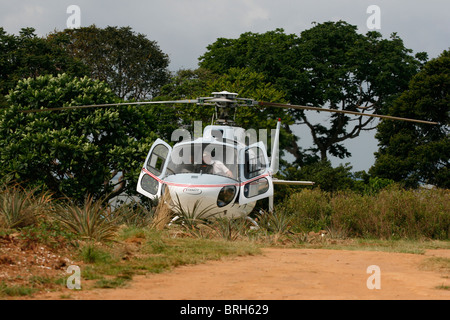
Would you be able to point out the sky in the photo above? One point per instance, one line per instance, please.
(184, 28)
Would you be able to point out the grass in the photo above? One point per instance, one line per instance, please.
(157, 252)
(443, 287)
(399, 246)
(439, 264)
(112, 247)
(16, 290)
(392, 213)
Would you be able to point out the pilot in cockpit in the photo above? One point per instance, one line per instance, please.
(217, 166)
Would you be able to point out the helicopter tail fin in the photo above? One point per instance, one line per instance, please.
(274, 156)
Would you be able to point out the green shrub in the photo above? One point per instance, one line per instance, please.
(310, 209)
(414, 213)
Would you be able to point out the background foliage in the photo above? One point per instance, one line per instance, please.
(75, 152)
(133, 66)
(99, 152)
(415, 153)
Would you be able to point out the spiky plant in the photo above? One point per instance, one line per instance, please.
(192, 217)
(278, 221)
(20, 208)
(92, 221)
(133, 214)
(230, 229)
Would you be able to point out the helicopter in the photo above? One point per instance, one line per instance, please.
(217, 174)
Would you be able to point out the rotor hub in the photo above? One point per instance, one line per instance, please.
(225, 103)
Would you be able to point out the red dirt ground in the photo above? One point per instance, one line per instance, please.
(287, 274)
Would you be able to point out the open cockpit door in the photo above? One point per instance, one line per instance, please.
(150, 183)
(256, 181)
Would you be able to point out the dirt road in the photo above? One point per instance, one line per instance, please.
(289, 274)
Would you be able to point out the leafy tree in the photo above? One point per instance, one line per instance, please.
(324, 176)
(345, 70)
(188, 84)
(270, 53)
(133, 66)
(77, 152)
(329, 65)
(28, 55)
(419, 153)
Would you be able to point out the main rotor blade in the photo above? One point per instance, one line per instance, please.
(295, 183)
(108, 105)
(291, 106)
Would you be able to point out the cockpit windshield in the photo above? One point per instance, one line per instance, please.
(207, 158)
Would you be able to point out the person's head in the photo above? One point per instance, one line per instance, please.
(207, 157)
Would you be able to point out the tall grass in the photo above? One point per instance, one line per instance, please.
(162, 213)
(392, 213)
(310, 210)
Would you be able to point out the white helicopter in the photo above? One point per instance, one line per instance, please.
(217, 174)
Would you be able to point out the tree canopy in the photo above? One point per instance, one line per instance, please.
(27, 55)
(76, 152)
(419, 153)
(329, 65)
(133, 66)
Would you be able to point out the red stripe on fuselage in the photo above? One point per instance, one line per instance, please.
(203, 185)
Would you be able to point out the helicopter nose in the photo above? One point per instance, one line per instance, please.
(194, 202)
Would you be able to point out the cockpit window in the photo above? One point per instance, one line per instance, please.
(157, 158)
(204, 158)
(255, 162)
